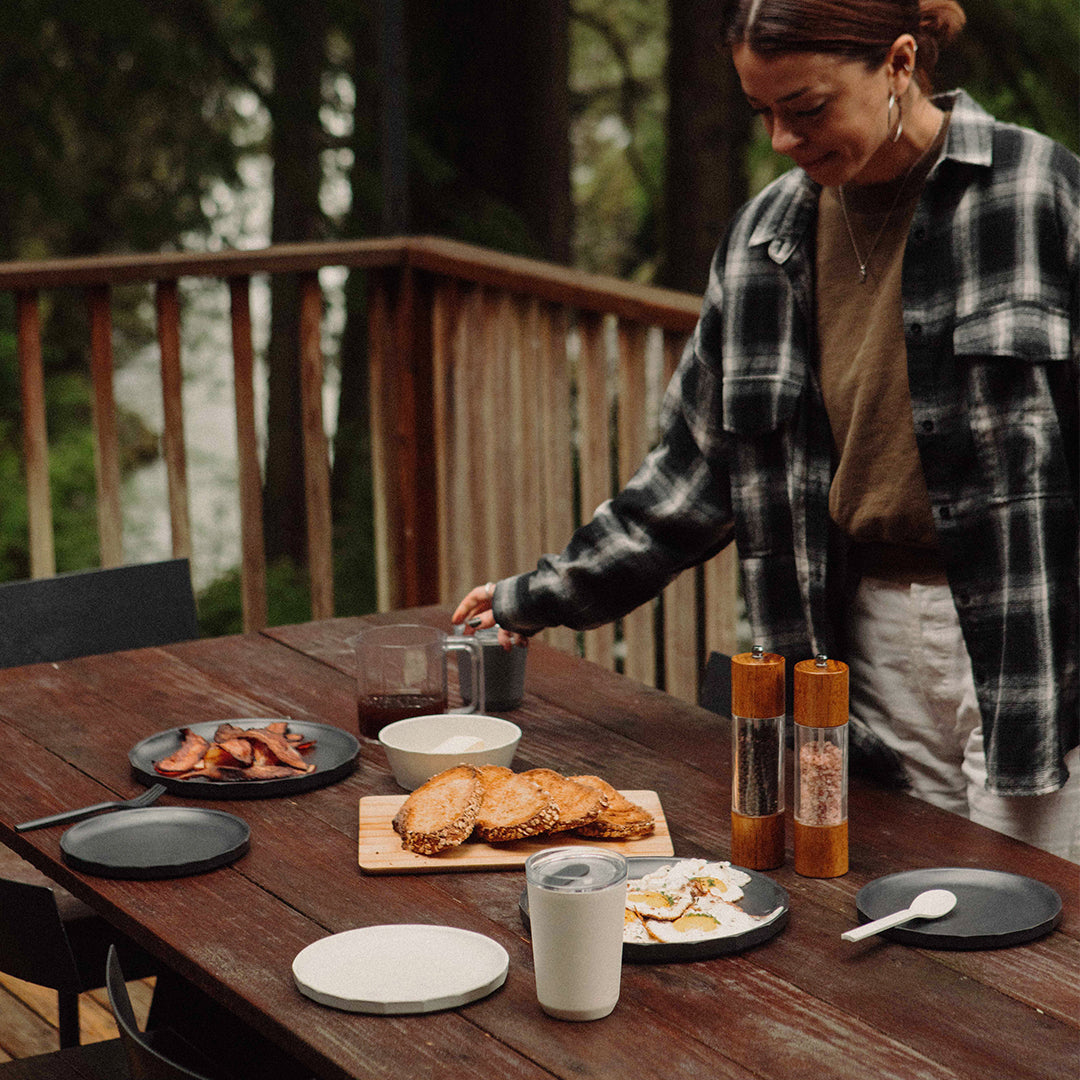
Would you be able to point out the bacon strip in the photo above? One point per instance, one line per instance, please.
(279, 749)
(268, 753)
(192, 750)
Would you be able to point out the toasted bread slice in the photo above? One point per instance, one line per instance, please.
(621, 819)
(578, 804)
(512, 806)
(440, 814)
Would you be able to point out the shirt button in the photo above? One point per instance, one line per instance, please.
(928, 425)
(944, 513)
(916, 329)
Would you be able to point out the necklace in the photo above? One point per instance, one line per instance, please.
(864, 264)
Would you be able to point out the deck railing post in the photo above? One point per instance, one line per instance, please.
(35, 435)
(106, 440)
(252, 550)
(402, 433)
(167, 296)
(316, 450)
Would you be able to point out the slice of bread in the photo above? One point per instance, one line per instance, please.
(577, 803)
(512, 806)
(441, 813)
(621, 819)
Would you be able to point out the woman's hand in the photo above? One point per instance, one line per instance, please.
(475, 612)
(476, 604)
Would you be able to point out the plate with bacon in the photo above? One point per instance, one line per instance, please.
(245, 758)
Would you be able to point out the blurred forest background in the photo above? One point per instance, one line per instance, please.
(605, 134)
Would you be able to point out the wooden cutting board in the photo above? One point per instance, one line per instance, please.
(381, 851)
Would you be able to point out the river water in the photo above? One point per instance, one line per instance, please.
(241, 220)
(209, 426)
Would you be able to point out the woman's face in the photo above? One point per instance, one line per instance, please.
(827, 113)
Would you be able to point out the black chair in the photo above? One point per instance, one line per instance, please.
(96, 611)
(158, 1054)
(47, 936)
(95, 1061)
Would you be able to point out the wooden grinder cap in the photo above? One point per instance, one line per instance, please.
(757, 685)
(821, 693)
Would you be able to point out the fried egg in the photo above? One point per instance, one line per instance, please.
(655, 904)
(695, 926)
(691, 900)
(634, 928)
(709, 887)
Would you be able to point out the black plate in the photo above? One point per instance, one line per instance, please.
(761, 895)
(155, 842)
(993, 908)
(334, 756)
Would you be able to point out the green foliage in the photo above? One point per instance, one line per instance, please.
(287, 593)
(1021, 60)
(71, 480)
(618, 53)
(114, 121)
(71, 463)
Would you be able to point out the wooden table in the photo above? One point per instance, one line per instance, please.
(804, 1003)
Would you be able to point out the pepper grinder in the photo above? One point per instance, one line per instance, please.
(821, 767)
(757, 755)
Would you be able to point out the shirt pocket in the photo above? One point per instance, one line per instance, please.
(1023, 330)
(1013, 353)
(755, 405)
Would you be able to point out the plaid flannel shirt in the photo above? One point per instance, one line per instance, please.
(991, 309)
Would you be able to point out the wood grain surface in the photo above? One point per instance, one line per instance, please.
(805, 1000)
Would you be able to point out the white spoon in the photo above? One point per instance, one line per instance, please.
(931, 904)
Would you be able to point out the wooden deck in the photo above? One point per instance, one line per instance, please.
(28, 1016)
(469, 351)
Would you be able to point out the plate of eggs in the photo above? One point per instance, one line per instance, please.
(694, 909)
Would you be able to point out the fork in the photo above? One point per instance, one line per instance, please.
(150, 795)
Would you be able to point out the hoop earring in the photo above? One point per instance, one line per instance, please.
(894, 100)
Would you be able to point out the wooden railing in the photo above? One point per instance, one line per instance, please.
(499, 386)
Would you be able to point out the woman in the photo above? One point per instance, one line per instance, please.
(879, 405)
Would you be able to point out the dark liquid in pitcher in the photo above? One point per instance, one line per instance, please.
(375, 712)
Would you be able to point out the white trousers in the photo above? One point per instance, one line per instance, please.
(911, 683)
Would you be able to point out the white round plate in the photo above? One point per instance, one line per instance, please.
(401, 968)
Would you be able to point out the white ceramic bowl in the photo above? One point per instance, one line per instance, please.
(423, 746)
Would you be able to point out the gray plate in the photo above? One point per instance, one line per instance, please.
(993, 909)
(761, 895)
(334, 756)
(155, 842)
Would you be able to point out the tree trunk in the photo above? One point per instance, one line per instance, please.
(491, 95)
(297, 40)
(709, 130)
(351, 481)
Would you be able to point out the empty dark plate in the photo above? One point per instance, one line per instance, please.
(993, 909)
(155, 842)
(761, 896)
(334, 756)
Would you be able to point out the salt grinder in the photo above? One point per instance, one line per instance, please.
(757, 755)
(821, 767)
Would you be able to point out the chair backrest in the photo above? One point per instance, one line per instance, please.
(96, 611)
(33, 944)
(147, 1058)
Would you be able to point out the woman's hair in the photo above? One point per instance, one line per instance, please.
(857, 29)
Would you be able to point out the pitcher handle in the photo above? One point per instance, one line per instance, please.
(476, 660)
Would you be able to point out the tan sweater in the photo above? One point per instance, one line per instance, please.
(878, 495)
